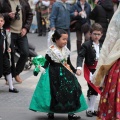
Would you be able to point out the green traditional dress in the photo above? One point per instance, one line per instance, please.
(58, 90)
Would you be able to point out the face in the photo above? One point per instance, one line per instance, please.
(1, 22)
(96, 35)
(62, 41)
(96, 1)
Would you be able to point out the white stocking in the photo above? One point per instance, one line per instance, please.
(10, 82)
(93, 99)
(89, 101)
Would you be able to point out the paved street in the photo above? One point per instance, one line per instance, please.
(15, 106)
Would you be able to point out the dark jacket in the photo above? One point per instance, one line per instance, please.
(1, 50)
(88, 53)
(27, 14)
(78, 7)
(102, 14)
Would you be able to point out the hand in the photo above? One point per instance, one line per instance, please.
(9, 50)
(75, 13)
(78, 72)
(80, 13)
(52, 29)
(96, 1)
(23, 32)
(12, 15)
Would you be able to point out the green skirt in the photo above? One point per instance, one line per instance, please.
(41, 98)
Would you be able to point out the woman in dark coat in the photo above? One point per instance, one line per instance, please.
(102, 14)
(80, 12)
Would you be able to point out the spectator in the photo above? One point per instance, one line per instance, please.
(42, 7)
(102, 14)
(18, 17)
(80, 12)
(60, 17)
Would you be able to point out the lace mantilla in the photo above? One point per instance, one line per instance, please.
(58, 55)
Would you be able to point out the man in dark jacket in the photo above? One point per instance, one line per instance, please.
(18, 17)
(102, 14)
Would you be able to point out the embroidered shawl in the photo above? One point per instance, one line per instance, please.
(58, 55)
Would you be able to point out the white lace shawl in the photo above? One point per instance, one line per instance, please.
(110, 51)
(58, 55)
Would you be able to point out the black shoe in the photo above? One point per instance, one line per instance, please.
(40, 34)
(95, 113)
(44, 34)
(89, 114)
(14, 90)
(73, 117)
(50, 115)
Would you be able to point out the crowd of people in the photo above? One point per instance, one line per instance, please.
(96, 24)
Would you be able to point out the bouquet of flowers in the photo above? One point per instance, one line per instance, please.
(38, 62)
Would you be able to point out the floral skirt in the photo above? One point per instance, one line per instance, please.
(109, 105)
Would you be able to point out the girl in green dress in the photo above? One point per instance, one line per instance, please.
(58, 90)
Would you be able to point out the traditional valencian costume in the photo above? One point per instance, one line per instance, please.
(107, 74)
(90, 52)
(58, 90)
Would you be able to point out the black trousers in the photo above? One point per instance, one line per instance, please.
(41, 27)
(22, 44)
(6, 65)
(91, 91)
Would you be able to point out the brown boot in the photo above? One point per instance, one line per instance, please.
(18, 79)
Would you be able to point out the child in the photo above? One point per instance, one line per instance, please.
(58, 90)
(4, 59)
(90, 52)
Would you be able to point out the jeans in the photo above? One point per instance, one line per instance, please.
(6, 65)
(22, 44)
